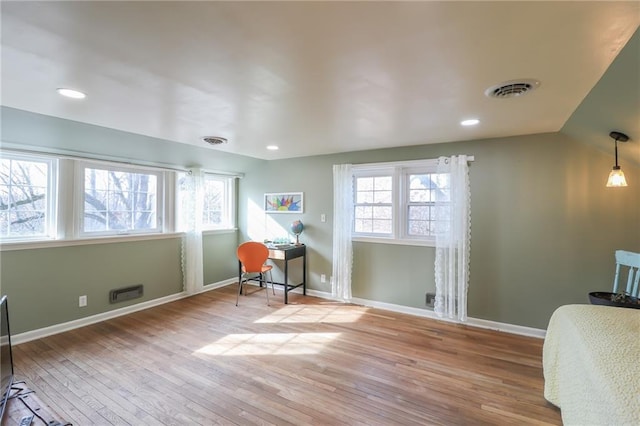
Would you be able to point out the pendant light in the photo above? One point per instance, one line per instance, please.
(616, 177)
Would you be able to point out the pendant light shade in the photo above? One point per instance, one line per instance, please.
(616, 177)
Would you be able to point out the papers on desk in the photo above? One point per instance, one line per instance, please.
(280, 246)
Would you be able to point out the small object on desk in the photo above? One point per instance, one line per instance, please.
(26, 420)
(283, 246)
(296, 228)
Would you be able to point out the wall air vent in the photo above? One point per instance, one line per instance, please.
(513, 88)
(214, 140)
(127, 293)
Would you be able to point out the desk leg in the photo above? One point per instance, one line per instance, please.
(304, 273)
(286, 282)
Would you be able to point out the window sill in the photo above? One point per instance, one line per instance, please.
(395, 241)
(29, 245)
(219, 231)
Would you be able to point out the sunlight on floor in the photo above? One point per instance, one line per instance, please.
(313, 314)
(269, 344)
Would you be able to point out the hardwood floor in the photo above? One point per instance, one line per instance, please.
(202, 360)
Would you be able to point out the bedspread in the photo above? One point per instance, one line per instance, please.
(591, 361)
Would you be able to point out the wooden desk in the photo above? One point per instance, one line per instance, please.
(286, 254)
(24, 402)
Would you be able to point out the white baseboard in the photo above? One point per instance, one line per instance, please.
(426, 313)
(70, 325)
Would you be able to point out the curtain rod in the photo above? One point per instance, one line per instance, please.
(408, 163)
(220, 172)
(76, 155)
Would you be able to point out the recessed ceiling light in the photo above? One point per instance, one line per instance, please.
(470, 122)
(272, 147)
(70, 93)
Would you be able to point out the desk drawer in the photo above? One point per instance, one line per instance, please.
(287, 253)
(276, 254)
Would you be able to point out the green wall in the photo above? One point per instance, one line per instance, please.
(544, 227)
(43, 285)
(219, 254)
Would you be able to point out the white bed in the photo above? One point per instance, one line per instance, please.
(591, 361)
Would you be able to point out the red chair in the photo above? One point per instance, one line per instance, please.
(252, 256)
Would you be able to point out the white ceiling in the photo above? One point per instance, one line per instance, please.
(311, 77)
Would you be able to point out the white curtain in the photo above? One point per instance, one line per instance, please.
(453, 235)
(190, 196)
(342, 217)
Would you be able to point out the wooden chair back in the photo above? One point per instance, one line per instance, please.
(632, 261)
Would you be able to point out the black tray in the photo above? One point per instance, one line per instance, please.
(604, 298)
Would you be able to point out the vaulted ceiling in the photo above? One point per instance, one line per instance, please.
(324, 77)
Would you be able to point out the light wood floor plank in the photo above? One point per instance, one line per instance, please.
(204, 361)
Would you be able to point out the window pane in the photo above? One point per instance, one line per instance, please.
(382, 226)
(380, 212)
(383, 183)
(419, 196)
(417, 228)
(364, 225)
(364, 184)
(363, 197)
(382, 197)
(4, 222)
(421, 181)
(25, 197)
(363, 212)
(118, 200)
(440, 180)
(419, 212)
(216, 209)
(95, 221)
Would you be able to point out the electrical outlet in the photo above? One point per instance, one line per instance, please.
(323, 278)
(430, 299)
(82, 301)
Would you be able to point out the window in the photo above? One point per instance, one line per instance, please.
(27, 201)
(54, 197)
(373, 208)
(212, 205)
(423, 189)
(218, 202)
(395, 202)
(118, 200)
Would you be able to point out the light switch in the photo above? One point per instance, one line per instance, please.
(323, 217)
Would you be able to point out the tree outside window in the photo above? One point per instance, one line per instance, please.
(25, 197)
(117, 201)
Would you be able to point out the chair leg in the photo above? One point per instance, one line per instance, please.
(239, 290)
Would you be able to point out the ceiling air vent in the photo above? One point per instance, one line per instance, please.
(214, 140)
(510, 89)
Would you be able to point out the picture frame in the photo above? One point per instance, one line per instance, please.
(283, 202)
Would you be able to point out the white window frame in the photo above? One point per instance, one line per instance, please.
(400, 195)
(79, 181)
(51, 214)
(373, 173)
(229, 202)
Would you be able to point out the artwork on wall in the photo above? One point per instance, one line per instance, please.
(283, 202)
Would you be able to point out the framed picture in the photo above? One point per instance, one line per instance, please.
(283, 202)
